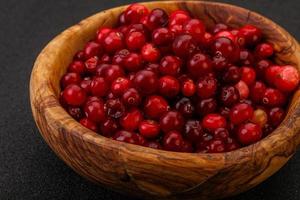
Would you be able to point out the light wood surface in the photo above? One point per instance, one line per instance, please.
(145, 172)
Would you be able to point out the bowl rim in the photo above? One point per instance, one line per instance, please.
(99, 140)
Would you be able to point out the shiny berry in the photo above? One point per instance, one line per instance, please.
(109, 127)
(135, 40)
(112, 73)
(260, 68)
(120, 56)
(273, 97)
(133, 62)
(229, 95)
(185, 107)
(168, 86)
(170, 65)
(126, 136)
(219, 27)
(150, 53)
(243, 89)
(99, 87)
(74, 95)
(155, 106)
(195, 28)
(287, 79)
(102, 33)
(119, 86)
(199, 65)
(170, 121)
(259, 117)
(257, 91)
(222, 134)
(223, 46)
(179, 17)
(240, 113)
(75, 112)
(149, 129)
(88, 124)
(193, 131)
(249, 133)
(206, 106)
(130, 121)
(70, 78)
(77, 67)
(245, 57)
(113, 41)
(157, 18)
(216, 146)
(249, 35)
(134, 13)
(94, 111)
(248, 75)
(162, 36)
(184, 45)
(213, 121)
(264, 50)
(146, 82)
(172, 141)
(276, 115)
(92, 49)
(114, 108)
(188, 88)
(206, 87)
(232, 75)
(131, 97)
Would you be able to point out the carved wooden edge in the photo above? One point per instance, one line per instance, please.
(276, 148)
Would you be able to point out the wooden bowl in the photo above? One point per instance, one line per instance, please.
(146, 172)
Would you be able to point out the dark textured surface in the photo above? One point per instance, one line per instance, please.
(28, 168)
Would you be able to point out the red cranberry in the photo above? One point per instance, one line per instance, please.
(149, 129)
(138, 28)
(261, 67)
(248, 75)
(74, 95)
(75, 112)
(240, 113)
(245, 57)
(99, 87)
(170, 121)
(168, 86)
(70, 78)
(225, 34)
(123, 29)
(185, 107)
(150, 53)
(257, 91)
(264, 50)
(249, 133)
(222, 134)
(162, 36)
(188, 88)
(105, 59)
(216, 146)
(193, 131)
(206, 87)
(119, 86)
(243, 89)
(287, 79)
(92, 98)
(232, 144)
(109, 127)
(91, 64)
(133, 62)
(223, 46)
(135, 40)
(173, 141)
(112, 73)
(88, 124)
(131, 97)
(220, 27)
(199, 65)
(146, 82)
(206, 106)
(273, 97)
(114, 108)
(102, 33)
(213, 122)
(79, 56)
(249, 35)
(135, 12)
(276, 115)
(207, 40)
(184, 45)
(170, 65)
(154, 145)
(157, 18)
(219, 62)
(92, 49)
(113, 41)
(179, 17)
(94, 111)
(130, 121)
(77, 67)
(232, 75)
(271, 73)
(154, 67)
(120, 56)
(155, 106)
(229, 95)
(259, 117)
(122, 20)
(126, 136)
(195, 28)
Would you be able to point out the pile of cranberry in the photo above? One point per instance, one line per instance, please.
(167, 82)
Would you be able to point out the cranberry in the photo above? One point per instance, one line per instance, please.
(257, 91)
(222, 134)
(273, 97)
(172, 141)
(112, 73)
(88, 124)
(243, 89)
(77, 67)
(216, 146)
(185, 107)
(162, 36)
(225, 34)
(126, 136)
(135, 12)
(206, 106)
(231, 144)
(154, 145)
(133, 62)
(138, 28)
(131, 97)
(249, 133)
(109, 127)
(184, 45)
(219, 27)
(219, 62)
(155, 106)
(120, 56)
(214, 121)
(70, 78)
(92, 49)
(154, 67)
(261, 67)
(188, 88)
(248, 75)
(135, 40)
(264, 50)
(229, 95)
(105, 59)
(74, 95)
(199, 65)
(271, 73)
(207, 40)
(168, 86)
(232, 75)
(122, 20)
(119, 86)
(193, 131)
(150, 53)
(114, 108)
(245, 57)
(113, 41)
(75, 112)
(195, 28)
(170, 121)
(287, 79)
(146, 82)
(94, 111)
(91, 64)
(206, 87)
(102, 33)
(130, 121)
(149, 129)
(99, 87)
(223, 46)
(92, 98)
(79, 56)
(240, 113)
(157, 18)
(259, 117)
(249, 35)
(276, 115)
(170, 65)
(179, 17)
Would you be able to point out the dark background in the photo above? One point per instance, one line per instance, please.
(28, 168)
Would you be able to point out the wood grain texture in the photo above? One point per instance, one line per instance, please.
(146, 172)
